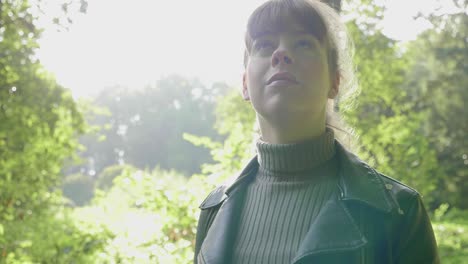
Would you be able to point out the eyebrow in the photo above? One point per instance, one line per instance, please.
(298, 32)
(270, 32)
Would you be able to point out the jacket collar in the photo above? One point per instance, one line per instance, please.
(361, 183)
(358, 183)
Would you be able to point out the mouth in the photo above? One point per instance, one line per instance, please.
(282, 78)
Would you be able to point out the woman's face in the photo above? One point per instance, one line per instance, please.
(287, 73)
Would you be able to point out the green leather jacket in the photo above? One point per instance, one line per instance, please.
(376, 220)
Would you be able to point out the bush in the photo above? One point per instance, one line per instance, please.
(152, 217)
(451, 230)
(79, 188)
(51, 236)
(105, 179)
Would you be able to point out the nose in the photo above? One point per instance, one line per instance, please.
(281, 56)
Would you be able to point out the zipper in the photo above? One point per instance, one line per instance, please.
(341, 191)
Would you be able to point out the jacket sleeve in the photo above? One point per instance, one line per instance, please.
(415, 241)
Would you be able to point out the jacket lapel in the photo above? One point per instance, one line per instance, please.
(333, 231)
(218, 240)
(218, 243)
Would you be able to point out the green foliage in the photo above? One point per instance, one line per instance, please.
(235, 119)
(408, 113)
(39, 124)
(451, 230)
(151, 217)
(139, 119)
(105, 180)
(79, 188)
(35, 135)
(436, 84)
(49, 236)
(391, 132)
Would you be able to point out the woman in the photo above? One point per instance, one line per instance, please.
(304, 198)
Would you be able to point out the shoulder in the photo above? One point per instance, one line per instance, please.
(413, 235)
(216, 197)
(396, 186)
(410, 228)
(406, 197)
(364, 183)
(410, 222)
(218, 194)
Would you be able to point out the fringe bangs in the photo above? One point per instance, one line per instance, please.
(271, 17)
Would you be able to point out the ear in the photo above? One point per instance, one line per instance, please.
(335, 86)
(245, 91)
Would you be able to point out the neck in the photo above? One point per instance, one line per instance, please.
(291, 130)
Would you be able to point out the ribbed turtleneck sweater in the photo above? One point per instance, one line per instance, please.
(291, 186)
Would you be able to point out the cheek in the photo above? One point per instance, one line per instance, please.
(316, 71)
(313, 62)
(256, 70)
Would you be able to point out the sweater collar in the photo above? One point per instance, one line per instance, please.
(283, 159)
(357, 182)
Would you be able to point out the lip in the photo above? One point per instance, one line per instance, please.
(282, 78)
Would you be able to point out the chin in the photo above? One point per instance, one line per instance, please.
(281, 112)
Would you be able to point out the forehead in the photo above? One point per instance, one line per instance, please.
(277, 17)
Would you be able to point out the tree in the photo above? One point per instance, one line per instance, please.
(235, 120)
(436, 83)
(36, 135)
(145, 126)
(39, 124)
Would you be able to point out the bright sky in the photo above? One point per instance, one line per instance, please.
(134, 43)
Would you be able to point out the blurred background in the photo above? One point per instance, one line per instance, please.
(118, 117)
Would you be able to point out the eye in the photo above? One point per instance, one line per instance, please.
(305, 43)
(263, 46)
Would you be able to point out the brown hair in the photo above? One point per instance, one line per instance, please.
(324, 23)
